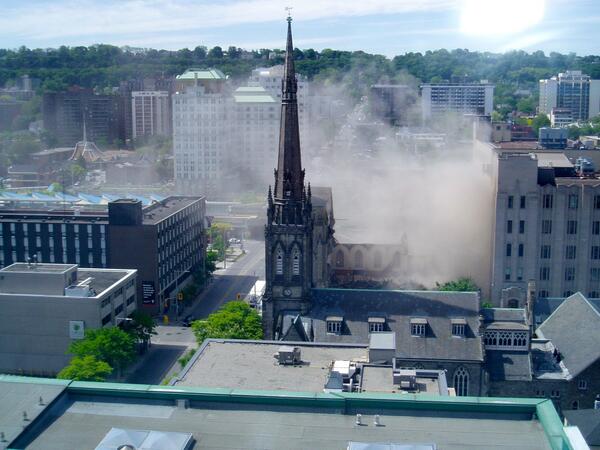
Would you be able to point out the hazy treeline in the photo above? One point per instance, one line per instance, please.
(107, 65)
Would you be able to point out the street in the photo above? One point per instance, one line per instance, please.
(173, 340)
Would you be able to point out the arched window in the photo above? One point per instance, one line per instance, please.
(575, 405)
(377, 259)
(339, 258)
(461, 381)
(358, 260)
(279, 261)
(296, 261)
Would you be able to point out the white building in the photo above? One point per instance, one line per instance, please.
(256, 120)
(45, 307)
(461, 98)
(560, 117)
(151, 113)
(202, 131)
(571, 90)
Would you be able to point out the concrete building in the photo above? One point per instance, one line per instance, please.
(560, 117)
(47, 306)
(547, 225)
(165, 241)
(390, 102)
(553, 138)
(571, 90)
(151, 113)
(202, 131)
(87, 415)
(465, 98)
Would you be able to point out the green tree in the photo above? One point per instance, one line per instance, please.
(459, 285)
(111, 345)
(85, 368)
(539, 121)
(235, 320)
(218, 233)
(141, 327)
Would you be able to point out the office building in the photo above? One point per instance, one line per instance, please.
(88, 415)
(151, 113)
(459, 98)
(202, 131)
(573, 91)
(547, 225)
(45, 307)
(560, 117)
(390, 102)
(163, 241)
(553, 138)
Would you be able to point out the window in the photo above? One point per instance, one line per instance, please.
(571, 227)
(546, 227)
(595, 274)
(106, 319)
(519, 274)
(521, 249)
(130, 300)
(458, 328)
(573, 201)
(358, 259)
(582, 385)
(571, 252)
(555, 393)
(596, 201)
(334, 325)
(523, 201)
(339, 258)
(509, 227)
(596, 227)
(546, 252)
(595, 253)
(461, 381)
(543, 293)
(547, 201)
(521, 226)
(544, 273)
(418, 327)
(119, 308)
(593, 294)
(508, 249)
(569, 273)
(567, 293)
(376, 324)
(575, 405)
(279, 262)
(296, 262)
(507, 274)
(510, 201)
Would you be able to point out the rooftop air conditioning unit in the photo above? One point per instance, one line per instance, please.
(406, 379)
(288, 355)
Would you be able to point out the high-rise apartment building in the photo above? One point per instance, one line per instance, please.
(573, 91)
(546, 229)
(461, 98)
(151, 113)
(202, 131)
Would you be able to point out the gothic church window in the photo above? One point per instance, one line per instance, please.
(296, 262)
(461, 381)
(279, 262)
(358, 259)
(377, 259)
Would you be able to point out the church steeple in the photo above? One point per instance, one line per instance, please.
(289, 176)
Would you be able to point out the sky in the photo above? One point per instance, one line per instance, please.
(387, 27)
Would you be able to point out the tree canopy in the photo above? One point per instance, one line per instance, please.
(235, 320)
(85, 368)
(111, 345)
(459, 285)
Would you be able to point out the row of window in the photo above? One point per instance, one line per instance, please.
(572, 201)
(569, 274)
(279, 258)
(418, 327)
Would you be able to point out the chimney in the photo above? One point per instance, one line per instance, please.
(531, 298)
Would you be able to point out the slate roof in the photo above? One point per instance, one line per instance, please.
(588, 422)
(508, 365)
(544, 307)
(503, 315)
(399, 307)
(574, 329)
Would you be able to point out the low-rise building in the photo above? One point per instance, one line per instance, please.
(45, 307)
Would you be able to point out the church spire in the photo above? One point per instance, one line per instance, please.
(289, 177)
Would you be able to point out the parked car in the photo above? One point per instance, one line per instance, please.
(187, 321)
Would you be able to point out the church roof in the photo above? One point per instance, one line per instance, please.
(508, 365)
(356, 306)
(574, 329)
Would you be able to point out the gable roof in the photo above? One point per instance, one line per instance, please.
(588, 422)
(574, 329)
(543, 307)
(356, 306)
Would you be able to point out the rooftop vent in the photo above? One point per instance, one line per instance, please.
(288, 355)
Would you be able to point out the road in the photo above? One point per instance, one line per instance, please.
(173, 340)
(239, 277)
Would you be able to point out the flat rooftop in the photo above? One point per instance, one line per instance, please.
(82, 413)
(161, 210)
(101, 279)
(380, 379)
(38, 268)
(251, 365)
